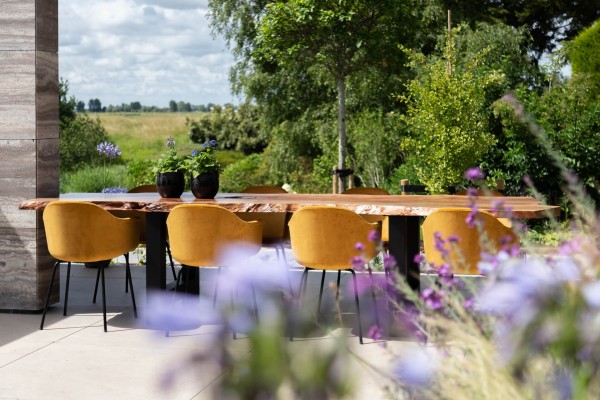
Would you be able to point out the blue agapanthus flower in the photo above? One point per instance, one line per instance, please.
(109, 150)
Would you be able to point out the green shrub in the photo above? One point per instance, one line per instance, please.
(584, 51)
(90, 179)
(140, 172)
(243, 173)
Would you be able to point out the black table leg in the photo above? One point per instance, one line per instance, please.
(156, 239)
(404, 245)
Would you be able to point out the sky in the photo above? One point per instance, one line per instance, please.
(151, 51)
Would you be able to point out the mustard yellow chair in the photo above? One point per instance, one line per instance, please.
(273, 224)
(383, 220)
(452, 221)
(199, 232)
(86, 233)
(324, 238)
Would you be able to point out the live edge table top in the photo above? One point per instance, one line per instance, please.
(407, 205)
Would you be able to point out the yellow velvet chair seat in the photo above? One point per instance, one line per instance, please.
(84, 232)
(452, 221)
(324, 238)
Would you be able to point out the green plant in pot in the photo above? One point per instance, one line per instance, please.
(170, 180)
(204, 169)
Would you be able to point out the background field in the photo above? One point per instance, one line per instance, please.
(141, 136)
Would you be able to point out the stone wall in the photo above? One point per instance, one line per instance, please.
(28, 146)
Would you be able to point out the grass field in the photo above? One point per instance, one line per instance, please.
(144, 135)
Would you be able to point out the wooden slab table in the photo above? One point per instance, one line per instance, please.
(403, 212)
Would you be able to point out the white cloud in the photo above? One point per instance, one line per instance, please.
(150, 51)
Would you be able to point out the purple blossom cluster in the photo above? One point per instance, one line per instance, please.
(170, 142)
(115, 190)
(109, 150)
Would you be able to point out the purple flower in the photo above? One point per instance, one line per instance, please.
(453, 239)
(432, 298)
(373, 236)
(195, 153)
(591, 294)
(468, 303)
(375, 333)
(204, 145)
(212, 143)
(471, 219)
(417, 367)
(358, 263)
(419, 258)
(170, 142)
(474, 174)
(115, 190)
(109, 150)
(389, 262)
(359, 246)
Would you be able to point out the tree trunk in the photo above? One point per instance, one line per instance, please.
(341, 84)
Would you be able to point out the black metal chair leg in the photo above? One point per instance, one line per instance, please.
(376, 311)
(171, 260)
(320, 295)
(130, 280)
(67, 288)
(97, 281)
(56, 264)
(216, 287)
(360, 334)
(126, 275)
(101, 266)
(337, 289)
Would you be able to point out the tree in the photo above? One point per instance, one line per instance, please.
(172, 106)
(136, 106)
(447, 117)
(548, 21)
(339, 37)
(94, 105)
(80, 107)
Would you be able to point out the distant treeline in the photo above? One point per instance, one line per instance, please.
(95, 105)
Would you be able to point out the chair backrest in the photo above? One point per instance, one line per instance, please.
(366, 190)
(144, 189)
(264, 189)
(273, 223)
(369, 191)
(452, 221)
(325, 237)
(84, 232)
(199, 232)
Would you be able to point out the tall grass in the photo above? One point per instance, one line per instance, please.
(91, 179)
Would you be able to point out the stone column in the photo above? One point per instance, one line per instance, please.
(29, 161)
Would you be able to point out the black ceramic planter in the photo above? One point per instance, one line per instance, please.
(206, 185)
(170, 184)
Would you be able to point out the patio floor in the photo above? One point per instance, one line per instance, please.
(73, 358)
